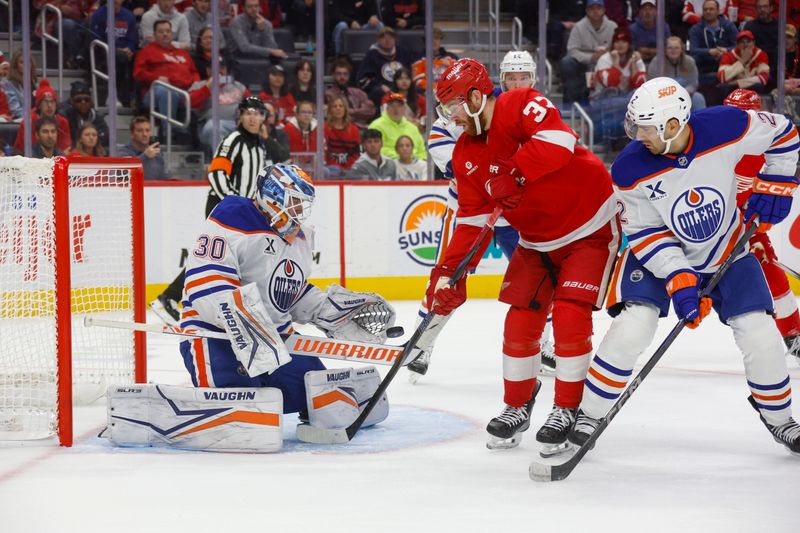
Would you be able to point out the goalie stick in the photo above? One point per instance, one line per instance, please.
(297, 344)
(546, 472)
(337, 436)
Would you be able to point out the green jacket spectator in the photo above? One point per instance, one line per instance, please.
(393, 124)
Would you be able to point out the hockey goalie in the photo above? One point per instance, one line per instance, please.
(247, 276)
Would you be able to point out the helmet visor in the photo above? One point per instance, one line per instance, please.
(635, 131)
(451, 110)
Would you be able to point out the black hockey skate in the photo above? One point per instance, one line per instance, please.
(787, 433)
(793, 345)
(548, 367)
(166, 309)
(505, 430)
(418, 367)
(553, 434)
(583, 429)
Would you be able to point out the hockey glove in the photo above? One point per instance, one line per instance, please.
(506, 186)
(442, 298)
(761, 247)
(771, 199)
(682, 288)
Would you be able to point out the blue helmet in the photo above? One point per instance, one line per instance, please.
(285, 195)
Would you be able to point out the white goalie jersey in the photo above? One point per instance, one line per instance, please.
(237, 247)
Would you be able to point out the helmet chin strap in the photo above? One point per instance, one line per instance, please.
(668, 142)
(476, 115)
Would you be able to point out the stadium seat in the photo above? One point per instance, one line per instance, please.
(285, 39)
(355, 43)
(413, 40)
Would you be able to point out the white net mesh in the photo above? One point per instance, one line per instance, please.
(101, 286)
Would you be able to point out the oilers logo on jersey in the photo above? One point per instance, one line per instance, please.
(285, 284)
(697, 214)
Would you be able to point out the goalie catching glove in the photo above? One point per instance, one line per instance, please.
(354, 316)
(255, 340)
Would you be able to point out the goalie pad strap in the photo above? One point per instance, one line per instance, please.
(235, 419)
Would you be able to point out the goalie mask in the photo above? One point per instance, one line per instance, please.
(517, 61)
(285, 195)
(654, 104)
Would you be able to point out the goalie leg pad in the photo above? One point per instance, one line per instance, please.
(225, 420)
(331, 397)
(255, 340)
(366, 381)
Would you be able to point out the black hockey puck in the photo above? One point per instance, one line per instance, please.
(396, 331)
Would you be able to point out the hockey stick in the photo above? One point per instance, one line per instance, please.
(336, 436)
(789, 270)
(303, 345)
(545, 472)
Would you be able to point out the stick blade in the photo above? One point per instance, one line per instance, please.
(540, 472)
(308, 433)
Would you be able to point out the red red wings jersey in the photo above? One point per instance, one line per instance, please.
(746, 170)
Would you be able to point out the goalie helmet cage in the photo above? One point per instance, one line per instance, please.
(71, 245)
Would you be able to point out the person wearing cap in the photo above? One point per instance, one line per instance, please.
(589, 39)
(373, 164)
(79, 110)
(252, 35)
(45, 105)
(275, 90)
(441, 60)
(393, 124)
(766, 34)
(127, 43)
(380, 63)
(744, 67)
(619, 70)
(643, 30)
(711, 37)
(353, 14)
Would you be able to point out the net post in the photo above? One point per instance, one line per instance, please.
(139, 296)
(63, 299)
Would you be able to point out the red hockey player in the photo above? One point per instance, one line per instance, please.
(787, 316)
(518, 153)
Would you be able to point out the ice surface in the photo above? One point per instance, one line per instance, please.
(687, 453)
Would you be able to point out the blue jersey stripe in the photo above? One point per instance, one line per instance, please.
(201, 324)
(786, 130)
(218, 268)
(776, 386)
(722, 239)
(612, 368)
(791, 148)
(219, 288)
(774, 407)
(646, 232)
(600, 392)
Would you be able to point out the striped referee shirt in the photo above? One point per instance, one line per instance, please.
(236, 164)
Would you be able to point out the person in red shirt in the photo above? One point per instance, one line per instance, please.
(787, 317)
(302, 129)
(162, 61)
(519, 154)
(46, 105)
(276, 92)
(342, 138)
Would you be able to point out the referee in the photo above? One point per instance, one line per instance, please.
(233, 170)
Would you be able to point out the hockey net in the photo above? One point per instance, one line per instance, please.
(71, 245)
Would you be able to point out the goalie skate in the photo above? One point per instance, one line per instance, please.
(167, 310)
(418, 367)
(505, 430)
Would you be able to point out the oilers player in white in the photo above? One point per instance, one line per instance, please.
(677, 186)
(517, 69)
(248, 276)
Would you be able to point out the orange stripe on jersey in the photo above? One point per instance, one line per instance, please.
(332, 397)
(249, 417)
(189, 313)
(221, 163)
(610, 382)
(237, 230)
(445, 239)
(786, 137)
(772, 398)
(200, 281)
(651, 176)
(612, 293)
(200, 363)
(237, 299)
(731, 243)
(650, 240)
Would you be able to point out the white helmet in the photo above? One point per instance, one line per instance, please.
(517, 61)
(654, 104)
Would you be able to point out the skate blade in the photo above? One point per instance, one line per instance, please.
(413, 377)
(547, 450)
(545, 371)
(497, 443)
(162, 314)
(314, 435)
